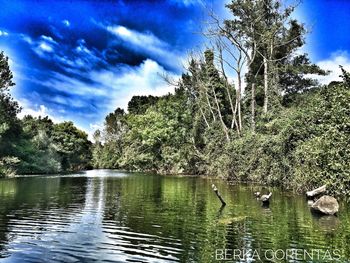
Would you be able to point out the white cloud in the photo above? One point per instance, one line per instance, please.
(26, 39)
(110, 88)
(188, 2)
(3, 33)
(48, 39)
(66, 22)
(41, 111)
(74, 86)
(41, 46)
(114, 86)
(144, 40)
(35, 110)
(45, 47)
(81, 58)
(142, 80)
(96, 126)
(117, 84)
(45, 44)
(147, 43)
(97, 91)
(81, 48)
(339, 58)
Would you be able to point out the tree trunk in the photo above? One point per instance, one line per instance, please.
(227, 85)
(239, 100)
(234, 120)
(220, 117)
(210, 108)
(316, 191)
(266, 83)
(203, 115)
(253, 107)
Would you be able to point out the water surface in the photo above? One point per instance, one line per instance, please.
(110, 216)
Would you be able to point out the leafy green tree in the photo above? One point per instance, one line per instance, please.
(345, 76)
(36, 145)
(9, 126)
(322, 152)
(115, 125)
(35, 148)
(72, 145)
(273, 36)
(139, 104)
(157, 140)
(8, 107)
(108, 144)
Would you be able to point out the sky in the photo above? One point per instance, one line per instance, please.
(79, 60)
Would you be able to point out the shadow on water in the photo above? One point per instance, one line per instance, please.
(109, 216)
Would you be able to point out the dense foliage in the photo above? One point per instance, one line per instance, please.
(36, 145)
(284, 129)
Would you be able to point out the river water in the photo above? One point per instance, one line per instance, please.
(111, 216)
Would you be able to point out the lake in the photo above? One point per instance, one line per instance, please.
(111, 216)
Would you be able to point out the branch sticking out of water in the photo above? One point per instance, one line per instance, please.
(218, 194)
(316, 191)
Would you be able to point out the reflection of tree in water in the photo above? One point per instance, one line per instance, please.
(172, 211)
(33, 201)
(149, 217)
(327, 223)
(286, 224)
(8, 189)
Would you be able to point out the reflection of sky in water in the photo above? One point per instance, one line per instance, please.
(103, 173)
(83, 237)
(110, 216)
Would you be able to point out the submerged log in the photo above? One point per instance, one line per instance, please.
(218, 194)
(316, 191)
(326, 205)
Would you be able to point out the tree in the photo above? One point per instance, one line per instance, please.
(35, 148)
(115, 125)
(36, 145)
(8, 107)
(72, 145)
(139, 104)
(269, 32)
(216, 90)
(9, 126)
(345, 76)
(108, 144)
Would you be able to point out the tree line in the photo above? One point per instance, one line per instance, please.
(36, 145)
(276, 125)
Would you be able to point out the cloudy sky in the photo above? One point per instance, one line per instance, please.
(78, 60)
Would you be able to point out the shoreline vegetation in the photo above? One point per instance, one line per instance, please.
(281, 128)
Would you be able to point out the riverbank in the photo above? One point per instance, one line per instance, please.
(299, 146)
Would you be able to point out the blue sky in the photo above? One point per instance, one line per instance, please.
(79, 60)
